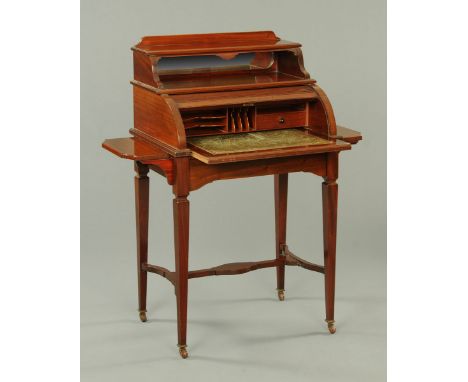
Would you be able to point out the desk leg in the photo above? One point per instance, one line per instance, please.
(330, 204)
(181, 209)
(141, 209)
(281, 204)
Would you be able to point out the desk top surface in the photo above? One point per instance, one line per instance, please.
(241, 147)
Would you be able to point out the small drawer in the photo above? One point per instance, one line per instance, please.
(280, 117)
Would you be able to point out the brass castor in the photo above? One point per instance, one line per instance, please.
(280, 294)
(183, 351)
(143, 316)
(331, 326)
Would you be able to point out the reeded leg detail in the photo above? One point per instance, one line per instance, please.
(143, 316)
(181, 209)
(281, 204)
(181, 225)
(141, 209)
(280, 294)
(183, 351)
(331, 326)
(330, 206)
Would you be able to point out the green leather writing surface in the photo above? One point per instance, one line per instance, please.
(258, 140)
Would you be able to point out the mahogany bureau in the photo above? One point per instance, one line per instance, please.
(219, 106)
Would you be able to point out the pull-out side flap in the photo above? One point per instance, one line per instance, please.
(347, 135)
(134, 149)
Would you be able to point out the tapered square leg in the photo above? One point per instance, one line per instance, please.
(281, 204)
(142, 209)
(181, 209)
(330, 204)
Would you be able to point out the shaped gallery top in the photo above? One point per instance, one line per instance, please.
(212, 43)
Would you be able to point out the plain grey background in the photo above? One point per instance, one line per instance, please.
(237, 327)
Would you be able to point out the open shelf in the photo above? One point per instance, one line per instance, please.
(232, 82)
(241, 97)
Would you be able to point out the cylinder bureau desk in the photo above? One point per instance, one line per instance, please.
(219, 106)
